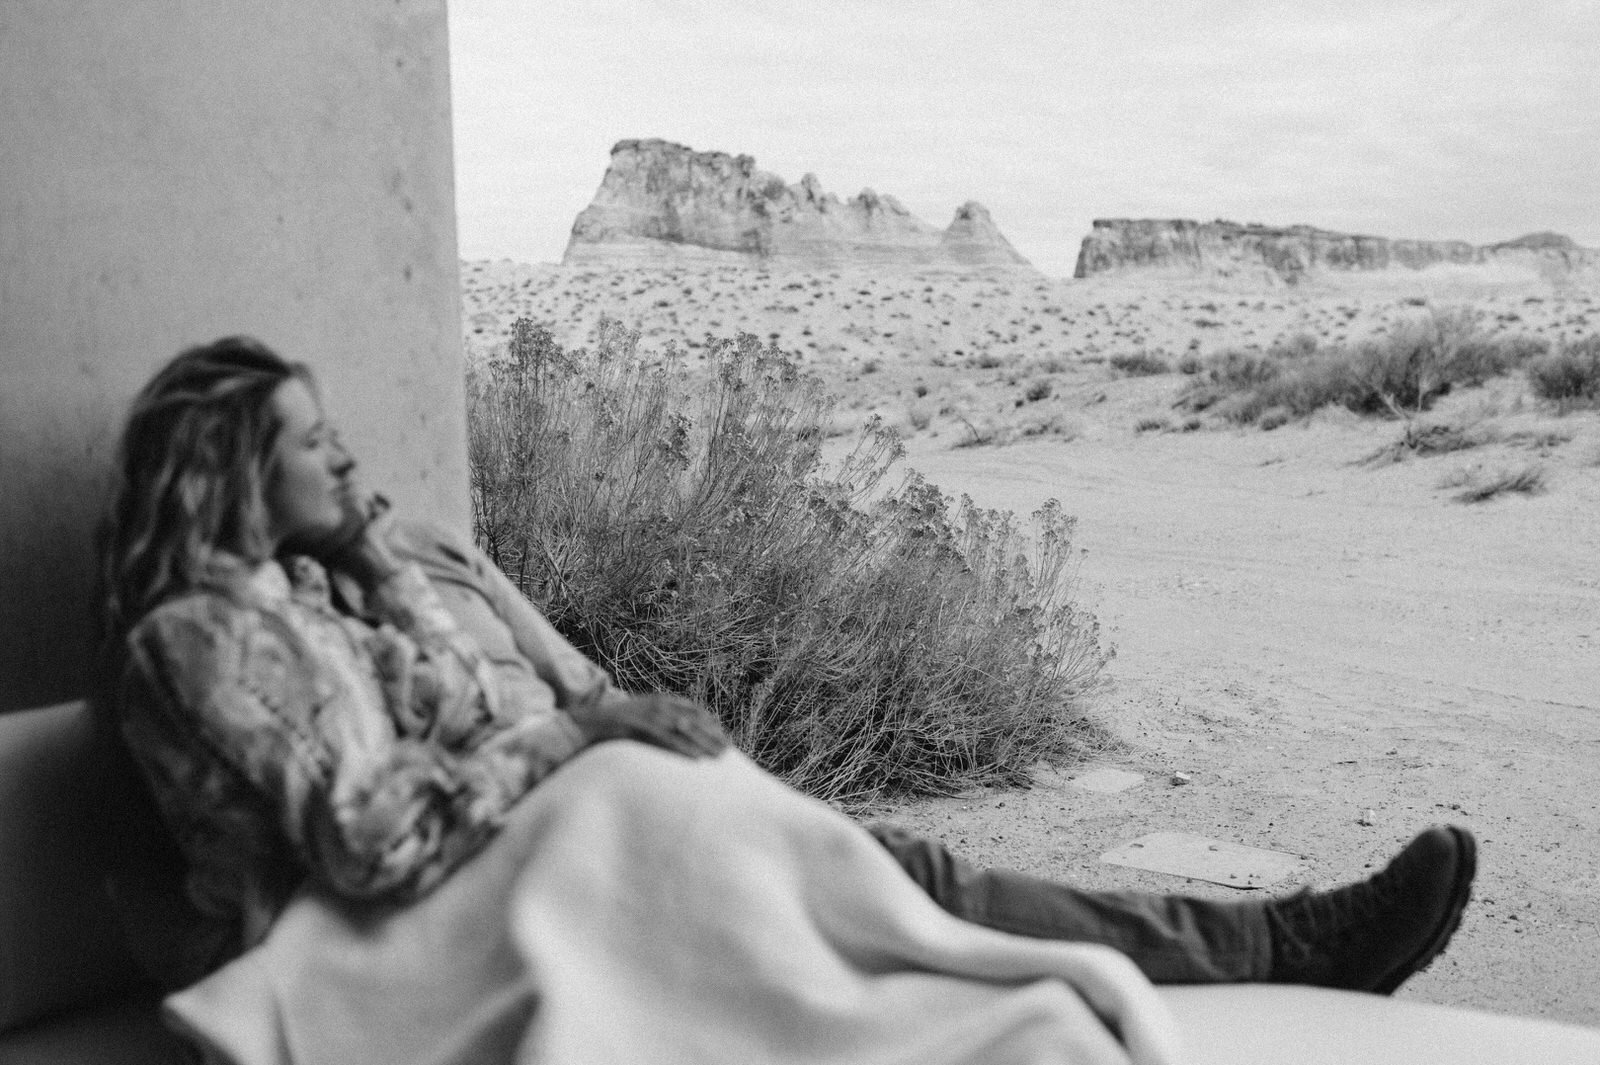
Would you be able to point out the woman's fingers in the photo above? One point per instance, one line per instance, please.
(678, 725)
(659, 719)
(703, 730)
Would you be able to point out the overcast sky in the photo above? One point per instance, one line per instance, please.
(1403, 118)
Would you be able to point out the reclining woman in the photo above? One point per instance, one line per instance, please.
(327, 703)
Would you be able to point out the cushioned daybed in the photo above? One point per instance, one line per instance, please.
(70, 994)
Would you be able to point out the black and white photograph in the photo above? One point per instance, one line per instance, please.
(859, 533)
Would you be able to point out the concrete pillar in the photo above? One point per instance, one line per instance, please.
(172, 171)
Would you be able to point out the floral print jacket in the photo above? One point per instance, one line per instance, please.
(371, 749)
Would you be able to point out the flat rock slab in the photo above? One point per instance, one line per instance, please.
(1105, 779)
(1185, 854)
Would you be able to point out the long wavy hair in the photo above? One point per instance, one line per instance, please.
(191, 476)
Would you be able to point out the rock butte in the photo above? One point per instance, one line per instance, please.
(1289, 254)
(663, 204)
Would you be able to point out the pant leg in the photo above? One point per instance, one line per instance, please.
(1173, 939)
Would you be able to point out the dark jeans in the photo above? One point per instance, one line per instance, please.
(1173, 939)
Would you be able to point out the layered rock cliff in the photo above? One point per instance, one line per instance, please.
(1292, 253)
(663, 204)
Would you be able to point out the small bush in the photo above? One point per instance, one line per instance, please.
(1423, 439)
(1570, 377)
(987, 430)
(1231, 384)
(681, 530)
(1151, 425)
(1140, 364)
(1273, 418)
(1529, 480)
(1235, 370)
(1299, 346)
(1539, 439)
(1402, 372)
(1064, 426)
(1424, 359)
(1442, 439)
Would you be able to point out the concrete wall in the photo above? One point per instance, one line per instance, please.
(176, 170)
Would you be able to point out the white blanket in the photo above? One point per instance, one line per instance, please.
(644, 908)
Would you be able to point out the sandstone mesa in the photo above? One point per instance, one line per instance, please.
(664, 204)
(1289, 254)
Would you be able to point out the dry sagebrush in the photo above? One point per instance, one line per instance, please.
(1400, 372)
(1569, 377)
(682, 529)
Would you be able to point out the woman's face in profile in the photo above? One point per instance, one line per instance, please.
(310, 493)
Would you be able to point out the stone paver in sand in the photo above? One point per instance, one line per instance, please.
(1185, 854)
(1105, 779)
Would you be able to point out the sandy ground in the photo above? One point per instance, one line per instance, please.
(1307, 635)
(1310, 638)
(939, 321)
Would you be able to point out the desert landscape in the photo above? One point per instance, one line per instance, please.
(1327, 635)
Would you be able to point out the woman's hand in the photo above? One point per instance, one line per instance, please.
(659, 719)
(362, 548)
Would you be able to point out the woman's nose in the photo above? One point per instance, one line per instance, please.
(343, 461)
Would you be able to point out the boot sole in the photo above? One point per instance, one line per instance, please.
(1461, 892)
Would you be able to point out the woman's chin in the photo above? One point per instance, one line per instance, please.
(315, 538)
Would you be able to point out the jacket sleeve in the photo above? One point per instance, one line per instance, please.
(223, 689)
(572, 674)
(480, 586)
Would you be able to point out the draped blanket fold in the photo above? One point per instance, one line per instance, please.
(640, 907)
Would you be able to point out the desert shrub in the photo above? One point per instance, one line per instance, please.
(1273, 418)
(1539, 439)
(1301, 388)
(1232, 379)
(1425, 358)
(1523, 348)
(1403, 371)
(1434, 438)
(1054, 423)
(1299, 346)
(1140, 364)
(1478, 487)
(987, 430)
(1234, 369)
(853, 638)
(1569, 377)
